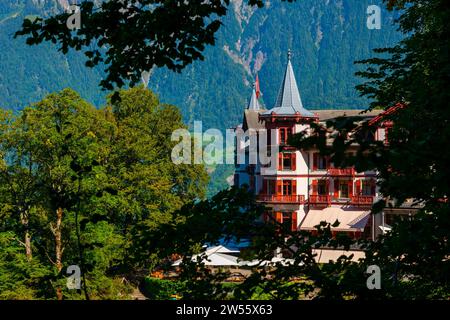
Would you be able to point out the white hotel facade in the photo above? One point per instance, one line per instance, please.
(305, 188)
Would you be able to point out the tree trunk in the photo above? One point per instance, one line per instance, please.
(59, 294)
(27, 240)
(58, 243)
(58, 247)
(28, 245)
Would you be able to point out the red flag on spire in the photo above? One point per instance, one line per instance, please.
(258, 91)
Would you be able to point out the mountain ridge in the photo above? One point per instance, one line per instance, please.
(325, 38)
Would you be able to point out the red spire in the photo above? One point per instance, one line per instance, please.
(258, 91)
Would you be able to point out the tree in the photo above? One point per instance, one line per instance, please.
(131, 37)
(146, 186)
(17, 178)
(20, 278)
(61, 140)
(97, 178)
(414, 165)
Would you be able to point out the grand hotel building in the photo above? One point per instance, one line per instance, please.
(305, 188)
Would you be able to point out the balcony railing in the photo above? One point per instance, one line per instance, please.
(341, 172)
(328, 200)
(362, 200)
(281, 198)
(320, 199)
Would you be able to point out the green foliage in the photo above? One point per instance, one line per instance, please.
(20, 279)
(161, 289)
(414, 165)
(227, 214)
(109, 173)
(79, 184)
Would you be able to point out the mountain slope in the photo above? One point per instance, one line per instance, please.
(325, 36)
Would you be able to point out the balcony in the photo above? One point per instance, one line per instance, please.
(362, 200)
(320, 199)
(341, 172)
(273, 198)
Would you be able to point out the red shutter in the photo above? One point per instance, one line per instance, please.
(281, 135)
(278, 217)
(350, 188)
(294, 187)
(264, 186)
(358, 187)
(279, 190)
(314, 187)
(315, 160)
(327, 187)
(293, 161)
(373, 186)
(336, 188)
(280, 161)
(294, 221)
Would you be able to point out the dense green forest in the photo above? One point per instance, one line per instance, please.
(325, 37)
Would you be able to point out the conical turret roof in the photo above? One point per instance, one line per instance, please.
(288, 100)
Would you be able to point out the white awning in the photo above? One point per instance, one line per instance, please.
(386, 228)
(215, 256)
(349, 220)
(273, 262)
(327, 255)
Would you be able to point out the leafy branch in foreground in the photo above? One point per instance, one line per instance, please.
(132, 36)
(414, 77)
